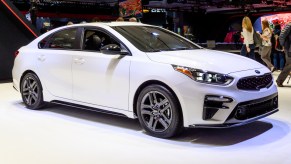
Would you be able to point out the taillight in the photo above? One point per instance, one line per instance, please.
(16, 53)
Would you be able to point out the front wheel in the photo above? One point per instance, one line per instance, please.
(158, 112)
(31, 91)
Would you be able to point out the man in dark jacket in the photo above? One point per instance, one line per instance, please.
(285, 41)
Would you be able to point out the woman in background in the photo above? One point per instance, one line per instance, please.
(278, 51)
(248, 48)
(267, 45)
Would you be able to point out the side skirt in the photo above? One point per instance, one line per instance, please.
(86, 108)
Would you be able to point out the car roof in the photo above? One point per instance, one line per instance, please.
(96, 24)
(111, 24)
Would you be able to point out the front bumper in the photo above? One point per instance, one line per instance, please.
(247, 112)
(192, 96)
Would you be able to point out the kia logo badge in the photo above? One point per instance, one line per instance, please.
(257, 71)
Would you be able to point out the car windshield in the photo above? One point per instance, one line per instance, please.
(154, 39)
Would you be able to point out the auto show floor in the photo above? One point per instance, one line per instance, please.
(63, 135)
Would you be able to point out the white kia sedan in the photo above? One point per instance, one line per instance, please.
(145, 72)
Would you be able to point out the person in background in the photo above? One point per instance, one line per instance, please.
(96, 19)
(247, 33)
(285, 41)
(278, 52)
(119, 19)
(236, 39)
(70, 23)
(45, 28)
(267, 45)
(133, 19)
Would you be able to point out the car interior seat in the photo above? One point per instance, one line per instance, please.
(93, 43)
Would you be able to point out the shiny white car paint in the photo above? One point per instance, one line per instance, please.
(110, 82)
(55, 68)
(215, 61)
(109, 74)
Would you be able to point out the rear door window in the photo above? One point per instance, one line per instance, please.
(65, 39)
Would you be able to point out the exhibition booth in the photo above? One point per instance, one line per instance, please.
(124, 92)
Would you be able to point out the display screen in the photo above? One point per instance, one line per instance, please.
(281, 19)
(130, 8)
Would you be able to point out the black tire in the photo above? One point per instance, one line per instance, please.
(159, 112)
(31, 92)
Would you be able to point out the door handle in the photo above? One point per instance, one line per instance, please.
(41, 58)
(79, 61)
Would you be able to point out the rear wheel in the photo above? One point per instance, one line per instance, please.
(158, 112)
(31, 91)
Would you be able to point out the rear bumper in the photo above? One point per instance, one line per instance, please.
(15, 85)
(15, 88)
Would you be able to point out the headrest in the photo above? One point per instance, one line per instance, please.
(96, 40)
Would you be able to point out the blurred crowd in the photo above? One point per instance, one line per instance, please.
(272, 42)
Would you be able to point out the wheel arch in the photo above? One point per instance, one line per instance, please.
(26, 72)
(151, 82)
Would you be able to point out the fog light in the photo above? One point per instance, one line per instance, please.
(218, 99)
(213, 103)
(275, 102)
(240, 112)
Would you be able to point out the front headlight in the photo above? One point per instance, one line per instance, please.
(204, 76)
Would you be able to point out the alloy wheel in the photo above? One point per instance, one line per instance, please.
(156, 111)
(30, 90)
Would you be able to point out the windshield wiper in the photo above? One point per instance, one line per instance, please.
(176, 49)
(153, 50)
(172, 49)
(182, 48)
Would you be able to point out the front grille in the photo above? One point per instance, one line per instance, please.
(255, 82)
(254, 108)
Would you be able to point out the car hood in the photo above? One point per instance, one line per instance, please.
(207, 60)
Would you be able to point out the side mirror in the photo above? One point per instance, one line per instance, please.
(113, 49)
